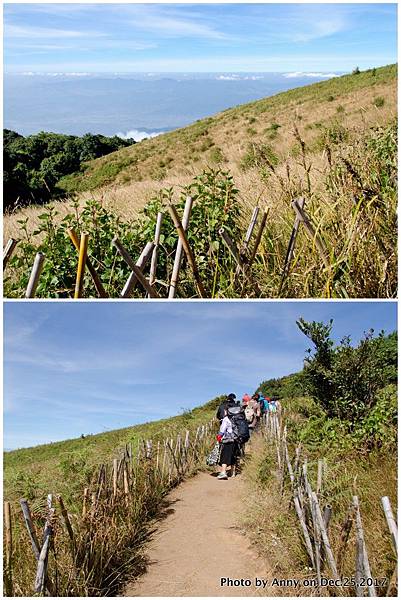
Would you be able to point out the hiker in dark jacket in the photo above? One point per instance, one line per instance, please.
(221, 411)
(233, 435)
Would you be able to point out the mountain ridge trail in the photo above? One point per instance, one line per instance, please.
(199, 542)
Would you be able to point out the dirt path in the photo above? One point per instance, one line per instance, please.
(199, 542)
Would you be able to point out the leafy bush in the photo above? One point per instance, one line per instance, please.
(261, 156)
(379, 427)
(378, 102)
(289, 386)
(344, 380)
(215, 205)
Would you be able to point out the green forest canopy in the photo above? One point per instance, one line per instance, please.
(34, 164)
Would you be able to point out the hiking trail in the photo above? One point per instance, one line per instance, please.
(199, 541)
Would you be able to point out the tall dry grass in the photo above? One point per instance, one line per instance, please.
(110, 520)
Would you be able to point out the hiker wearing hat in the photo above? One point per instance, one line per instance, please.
(229, 401)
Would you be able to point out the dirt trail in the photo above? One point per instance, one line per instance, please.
(199, 542)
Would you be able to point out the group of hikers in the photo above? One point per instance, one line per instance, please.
(238, 419)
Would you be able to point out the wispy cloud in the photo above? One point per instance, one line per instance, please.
(40, 33)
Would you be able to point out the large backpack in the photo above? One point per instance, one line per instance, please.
(249, 414)
(239, 424)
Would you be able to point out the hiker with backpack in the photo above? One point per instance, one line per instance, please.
(245, 399)
(229, 401)
(250, 416)
(233, 435)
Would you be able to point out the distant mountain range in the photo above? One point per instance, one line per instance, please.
(132, 105)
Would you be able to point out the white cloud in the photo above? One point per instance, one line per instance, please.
(137, 135)
(311, 75)
(237, 77)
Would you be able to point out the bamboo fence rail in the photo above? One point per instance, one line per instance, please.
(142, 476)
(314, 520)
(243, 255)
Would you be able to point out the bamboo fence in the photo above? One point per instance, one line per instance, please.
(124, 489)
(314, 520)
(243, 253)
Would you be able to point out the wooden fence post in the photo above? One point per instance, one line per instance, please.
(83, 252)
(8, 567)
(178, 252)
(362, 547)
(258, 239)
(308, 543)
(41, 580)
(240, 263)
(291, 246)
(330, 557)
(136, 270)
(310, 230)
(66, 518)
(141, 263)
(8, 250)
(392, 525)
(84, 502)
(345, 531)
(248, 236)
(35, 274)
(30, 528)
(115, 477)
(95, 277)
(187, 249)
(153, 264)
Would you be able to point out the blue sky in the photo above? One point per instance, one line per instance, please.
(198, 37)
(72, 368)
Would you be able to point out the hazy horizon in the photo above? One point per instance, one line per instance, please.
(133, 105)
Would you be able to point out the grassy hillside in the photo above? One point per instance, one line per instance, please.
(333, 143)
(350, 101)
(66, 467)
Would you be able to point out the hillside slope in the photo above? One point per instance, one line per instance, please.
(348, 100)
(127, 179)
(333, 143)
(33, 472)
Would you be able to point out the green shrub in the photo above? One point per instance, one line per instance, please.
(215, 205)
(261, 156)
(216, 155)
(379, 427)
(378, 102)
(345, 380)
